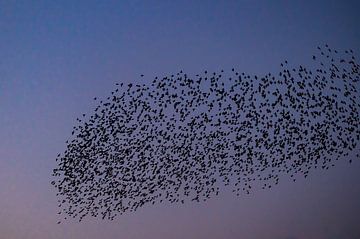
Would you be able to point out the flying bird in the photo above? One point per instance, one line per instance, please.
(182, 139)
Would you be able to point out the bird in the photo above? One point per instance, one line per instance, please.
(182, 138)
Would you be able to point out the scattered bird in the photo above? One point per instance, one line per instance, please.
(180, 139)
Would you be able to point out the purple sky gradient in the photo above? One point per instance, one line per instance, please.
(55, 56)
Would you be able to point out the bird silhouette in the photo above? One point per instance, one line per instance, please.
(181, 139)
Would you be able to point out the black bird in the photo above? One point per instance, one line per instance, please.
(183, 138)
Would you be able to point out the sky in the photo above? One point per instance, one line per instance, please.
(55, 56)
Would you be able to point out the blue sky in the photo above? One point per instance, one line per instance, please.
(55, 56)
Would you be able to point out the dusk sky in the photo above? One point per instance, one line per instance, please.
(56, 56)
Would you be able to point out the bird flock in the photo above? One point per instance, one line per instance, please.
(183, 138)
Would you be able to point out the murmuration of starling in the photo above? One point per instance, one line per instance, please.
(183, 138)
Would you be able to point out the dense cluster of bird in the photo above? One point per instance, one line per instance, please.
(182, 138)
